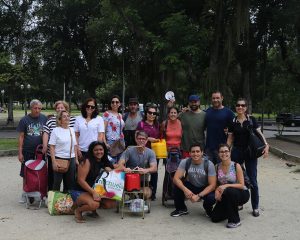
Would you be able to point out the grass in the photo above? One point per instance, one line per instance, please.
(8, 144)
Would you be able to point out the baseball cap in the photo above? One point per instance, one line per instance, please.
(194, 98)
(133, 100)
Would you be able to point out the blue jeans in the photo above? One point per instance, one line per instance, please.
(241, 156)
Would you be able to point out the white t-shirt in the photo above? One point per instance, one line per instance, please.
(61, 139)
(88, 131)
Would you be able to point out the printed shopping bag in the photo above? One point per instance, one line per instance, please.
(110, 184)
(60, 203)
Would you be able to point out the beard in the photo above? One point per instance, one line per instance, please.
(194, 107)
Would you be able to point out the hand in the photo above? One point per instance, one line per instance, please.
(170, 103)
(195, 198)
(127, 170)
(54, 165)
(142, 170)
(77, 162)
(96, 196)
(185, 109)
(218, 196)
(20, 157)
(79, 154)
(44, 150)
(188, 194)
(226, 131)
(266, 151)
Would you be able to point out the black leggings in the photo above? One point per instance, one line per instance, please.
(227, 208)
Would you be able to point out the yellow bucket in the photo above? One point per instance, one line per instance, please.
(160, 148)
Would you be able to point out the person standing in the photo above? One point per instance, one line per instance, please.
(238, 139)
(217, 120)
(131, 119)
(47, 130)
(89, 127)
(30, 130)
(63, 146)
(193, 125)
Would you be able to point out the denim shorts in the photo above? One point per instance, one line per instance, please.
(75, 194)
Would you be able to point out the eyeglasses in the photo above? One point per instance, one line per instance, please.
(240, 105)
(115, 102)
(90, 106)
(225, 151)
(142, 139)
(152, 113)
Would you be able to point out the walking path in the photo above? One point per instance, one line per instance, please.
(279, 203)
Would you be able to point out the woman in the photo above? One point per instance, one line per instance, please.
(171, 129)
(63, 145)
(231, 191)
(114, 125)
(238, 137)
(88, 127)
(47, 130)
(150, 125)
(83, 195)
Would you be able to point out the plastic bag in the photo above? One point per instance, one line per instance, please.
(60, 203)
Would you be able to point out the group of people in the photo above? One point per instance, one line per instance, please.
(211, 168)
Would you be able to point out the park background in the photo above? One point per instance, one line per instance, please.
(72, 49)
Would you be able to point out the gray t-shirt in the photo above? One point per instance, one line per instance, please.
(33, 129)
(193, 126)
(196, 173)
(131, 123)
(135, 159)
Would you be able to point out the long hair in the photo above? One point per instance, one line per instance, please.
(83, 108)
(92, 158)
(155, 123)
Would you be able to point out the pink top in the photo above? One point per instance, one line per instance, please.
(173, 133)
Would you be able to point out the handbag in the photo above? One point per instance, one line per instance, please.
(110, 184)
(60, 203)
(118, 146)
(256, 144)
(64, 164)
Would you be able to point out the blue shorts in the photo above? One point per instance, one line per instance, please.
(75, 194)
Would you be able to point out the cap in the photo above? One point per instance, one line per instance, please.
(133, 100)
(194, 98)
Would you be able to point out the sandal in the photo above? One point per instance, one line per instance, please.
(92, 214)
(79, 219)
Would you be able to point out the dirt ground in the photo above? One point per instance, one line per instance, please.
(279, 203)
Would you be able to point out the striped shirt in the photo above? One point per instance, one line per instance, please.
(51, 124)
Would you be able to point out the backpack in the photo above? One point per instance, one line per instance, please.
(189, 162)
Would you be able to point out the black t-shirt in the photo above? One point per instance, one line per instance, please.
(240, 131)
(93, 173)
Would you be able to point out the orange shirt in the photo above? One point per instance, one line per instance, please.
(173, 133)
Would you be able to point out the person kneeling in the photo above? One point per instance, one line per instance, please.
(139, 158)
(231, 191)
(84, 196)
(195, 179)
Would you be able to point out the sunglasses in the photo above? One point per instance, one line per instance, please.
(115, 102)
(152, 113)
(90, 106)
(240, 105)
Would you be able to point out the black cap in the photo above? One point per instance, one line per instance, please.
(133, 100)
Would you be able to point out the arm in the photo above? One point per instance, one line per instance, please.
(240, 180)
(266, 150)
(45, 141)
(230, 139)
(20, 147)
(104, 136)
(52, 154)
(178, 182)
(83, 170)
(151, 169)
(101, 136)
(79, 154)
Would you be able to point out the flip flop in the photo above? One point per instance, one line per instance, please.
(79, 220)
(92, 214)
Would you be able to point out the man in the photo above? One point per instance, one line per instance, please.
(139, 158)
(217, 120)
(193, 126)
(195, 179)
(30, 130)
(131, 119)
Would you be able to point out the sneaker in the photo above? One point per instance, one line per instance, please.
(178, 213)
(255, 213)
(233, 225)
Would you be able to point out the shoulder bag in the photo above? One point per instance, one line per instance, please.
(63, 164)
